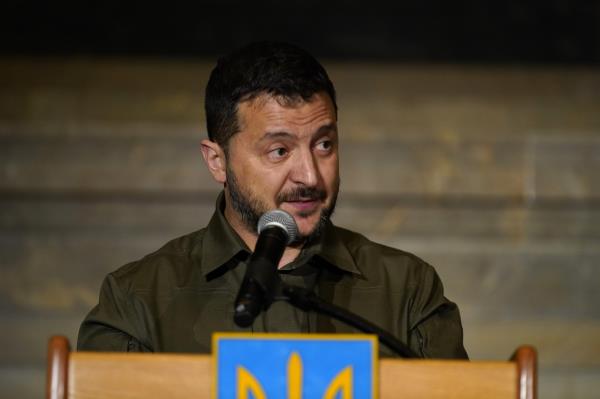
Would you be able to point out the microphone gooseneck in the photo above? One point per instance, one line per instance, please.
(276, 230)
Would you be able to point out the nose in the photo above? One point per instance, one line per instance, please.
(305, 170)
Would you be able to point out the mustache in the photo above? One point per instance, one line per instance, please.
(302, 193)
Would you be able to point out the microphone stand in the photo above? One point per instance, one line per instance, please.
(307, 300)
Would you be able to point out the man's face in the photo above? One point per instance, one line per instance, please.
(284, 156)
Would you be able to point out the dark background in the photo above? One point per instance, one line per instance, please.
(512, 31)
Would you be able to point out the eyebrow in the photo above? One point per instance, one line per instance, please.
(276, 135)
(330, 127)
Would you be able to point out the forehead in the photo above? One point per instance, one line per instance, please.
(266, 111)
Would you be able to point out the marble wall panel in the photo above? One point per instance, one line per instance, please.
(566, 167)
(487, 172)
(56, 255)
(172, 162)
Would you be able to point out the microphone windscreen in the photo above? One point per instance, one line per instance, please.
(281, 219)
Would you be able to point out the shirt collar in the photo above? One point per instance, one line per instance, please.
(221, 243)
(332, 248)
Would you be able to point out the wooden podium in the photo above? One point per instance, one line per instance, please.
(78, 375)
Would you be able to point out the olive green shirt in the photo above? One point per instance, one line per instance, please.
(174, 299)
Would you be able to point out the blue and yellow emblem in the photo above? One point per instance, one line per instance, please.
(295, 366)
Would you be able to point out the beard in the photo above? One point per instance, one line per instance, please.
(250, 208)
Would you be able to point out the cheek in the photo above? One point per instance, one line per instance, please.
(248, 172)
(330, 172)
(269, 182)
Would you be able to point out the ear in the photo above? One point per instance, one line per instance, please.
(214, 157)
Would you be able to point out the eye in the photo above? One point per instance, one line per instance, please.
(278, 153)
(325, 145)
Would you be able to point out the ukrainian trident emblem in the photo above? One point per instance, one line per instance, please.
(285, 366)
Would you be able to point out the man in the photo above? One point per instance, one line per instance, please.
(273, 143)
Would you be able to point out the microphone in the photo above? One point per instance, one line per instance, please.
(276, 230)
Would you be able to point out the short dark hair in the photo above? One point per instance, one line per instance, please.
(277, 69)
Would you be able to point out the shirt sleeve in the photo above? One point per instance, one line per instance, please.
(436, 330)
(111, 325)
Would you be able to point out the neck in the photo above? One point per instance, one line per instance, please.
(249, 237)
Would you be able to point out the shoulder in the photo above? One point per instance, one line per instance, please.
(173, 265)
(377, 261)
(363, 248)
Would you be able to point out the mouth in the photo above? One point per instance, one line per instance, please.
(303, 201)
(304, 205)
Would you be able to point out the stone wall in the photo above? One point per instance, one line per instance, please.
(490, 173)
